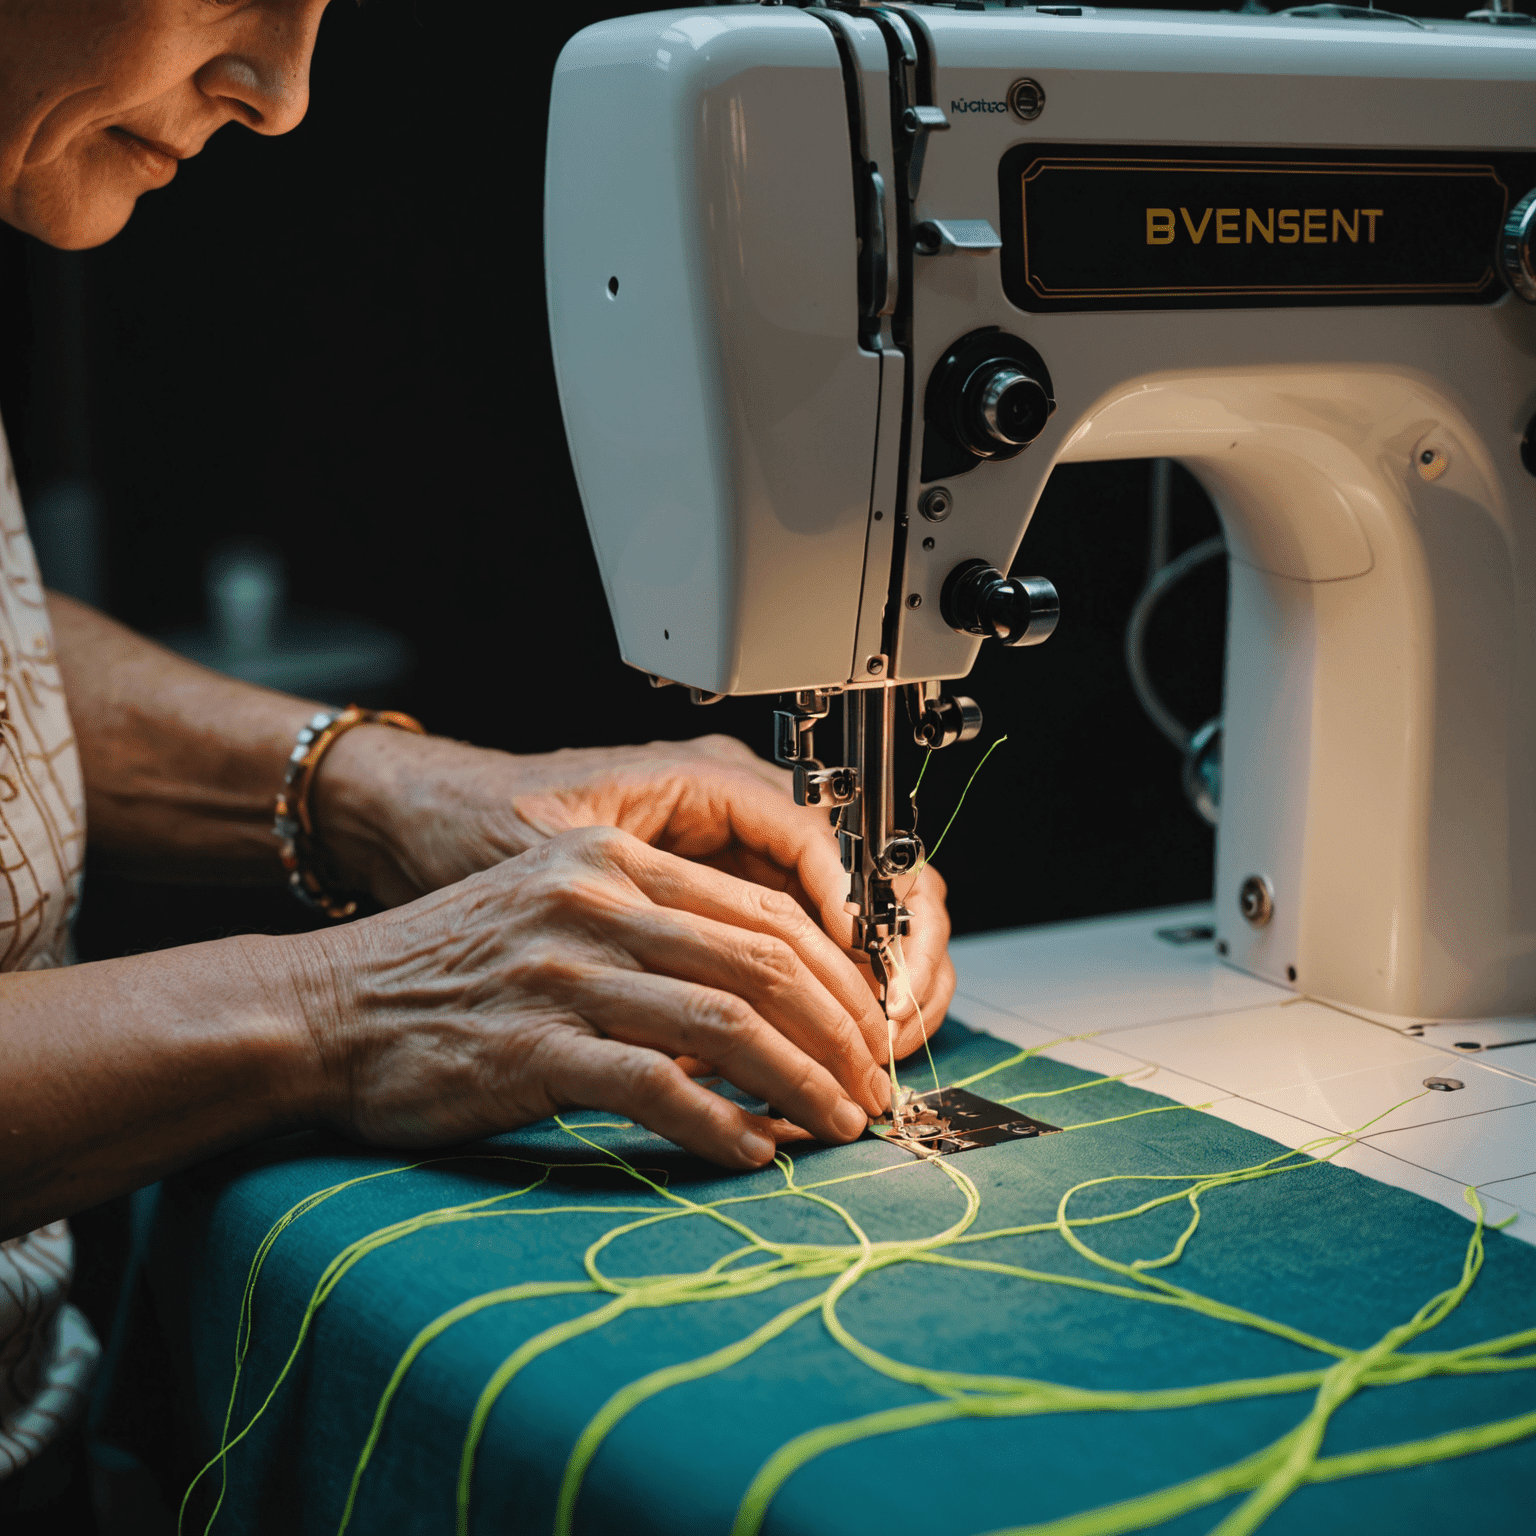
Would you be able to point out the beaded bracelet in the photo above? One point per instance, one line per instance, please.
(293, 826)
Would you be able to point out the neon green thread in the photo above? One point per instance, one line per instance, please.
(928, 854)
(1019, 1057)
(933, 852)
(757, 1264)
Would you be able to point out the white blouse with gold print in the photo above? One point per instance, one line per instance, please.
(47, 1350)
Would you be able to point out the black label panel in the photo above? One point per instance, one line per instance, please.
(1090, 227)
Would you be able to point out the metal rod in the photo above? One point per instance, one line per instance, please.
(877, 769)
(853, 753)
(869, 729)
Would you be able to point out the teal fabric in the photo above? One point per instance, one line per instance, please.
(1322, 1249)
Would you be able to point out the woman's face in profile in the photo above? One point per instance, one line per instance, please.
(99, 99)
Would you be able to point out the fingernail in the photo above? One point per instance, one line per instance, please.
(756, 1147)
(880, 1085)
(850, 1119)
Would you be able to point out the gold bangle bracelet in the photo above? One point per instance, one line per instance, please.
(294, 826)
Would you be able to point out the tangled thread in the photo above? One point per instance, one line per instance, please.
(757, 1264)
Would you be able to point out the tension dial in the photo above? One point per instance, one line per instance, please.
(989, 398)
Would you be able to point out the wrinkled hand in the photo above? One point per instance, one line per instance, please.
(583, 973)
(416, 816)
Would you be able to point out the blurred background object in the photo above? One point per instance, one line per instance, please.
(63, 503)
(252, 635)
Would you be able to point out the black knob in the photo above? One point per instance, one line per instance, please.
(989, 397)
(1006, 404)
(946, 720)
(1018, 610)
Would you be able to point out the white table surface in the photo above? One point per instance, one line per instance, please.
(1112, 996)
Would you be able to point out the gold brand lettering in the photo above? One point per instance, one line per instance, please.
(1288, 226)
(1189, 224)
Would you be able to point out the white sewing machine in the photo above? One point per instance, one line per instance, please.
(833, 290)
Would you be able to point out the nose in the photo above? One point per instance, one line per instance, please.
(263, 75)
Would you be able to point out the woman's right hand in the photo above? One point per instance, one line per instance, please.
(575, 975)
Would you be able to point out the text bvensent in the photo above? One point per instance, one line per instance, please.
(1284, 226)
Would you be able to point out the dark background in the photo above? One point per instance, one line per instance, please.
(334, 343)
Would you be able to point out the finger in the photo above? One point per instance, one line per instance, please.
(746, 864)
(682, 1019)
(927, 946)
(931, 978)
(767, 973)
(918, 1004)
(671, 799)
(653, 1091)
(738, 905)
(921, 979)
(922, 1022)
(705, 1075)
(718, 815)
(718, 812)
(785, 1131)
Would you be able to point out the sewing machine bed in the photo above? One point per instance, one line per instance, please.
(1144, 995)
(1322, 1249)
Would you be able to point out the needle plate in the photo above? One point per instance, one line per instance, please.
(950, 1120)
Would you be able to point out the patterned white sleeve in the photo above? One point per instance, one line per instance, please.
(48, 1353)
(47, 1350)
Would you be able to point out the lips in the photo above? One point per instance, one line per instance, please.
(159, 159)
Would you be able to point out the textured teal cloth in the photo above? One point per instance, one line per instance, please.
(1322, 1249)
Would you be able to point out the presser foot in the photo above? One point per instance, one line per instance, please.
(878, 931)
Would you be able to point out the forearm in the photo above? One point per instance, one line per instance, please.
(115, 1073)
(181, 764)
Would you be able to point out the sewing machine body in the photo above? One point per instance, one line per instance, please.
(750, 439)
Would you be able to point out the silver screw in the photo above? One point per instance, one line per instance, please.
(1026, 99)
(1444, 1084)
(875, 665)
(936, 503)
(1256, 900)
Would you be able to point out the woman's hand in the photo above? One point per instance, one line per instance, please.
(410, 816)
(581, 973)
